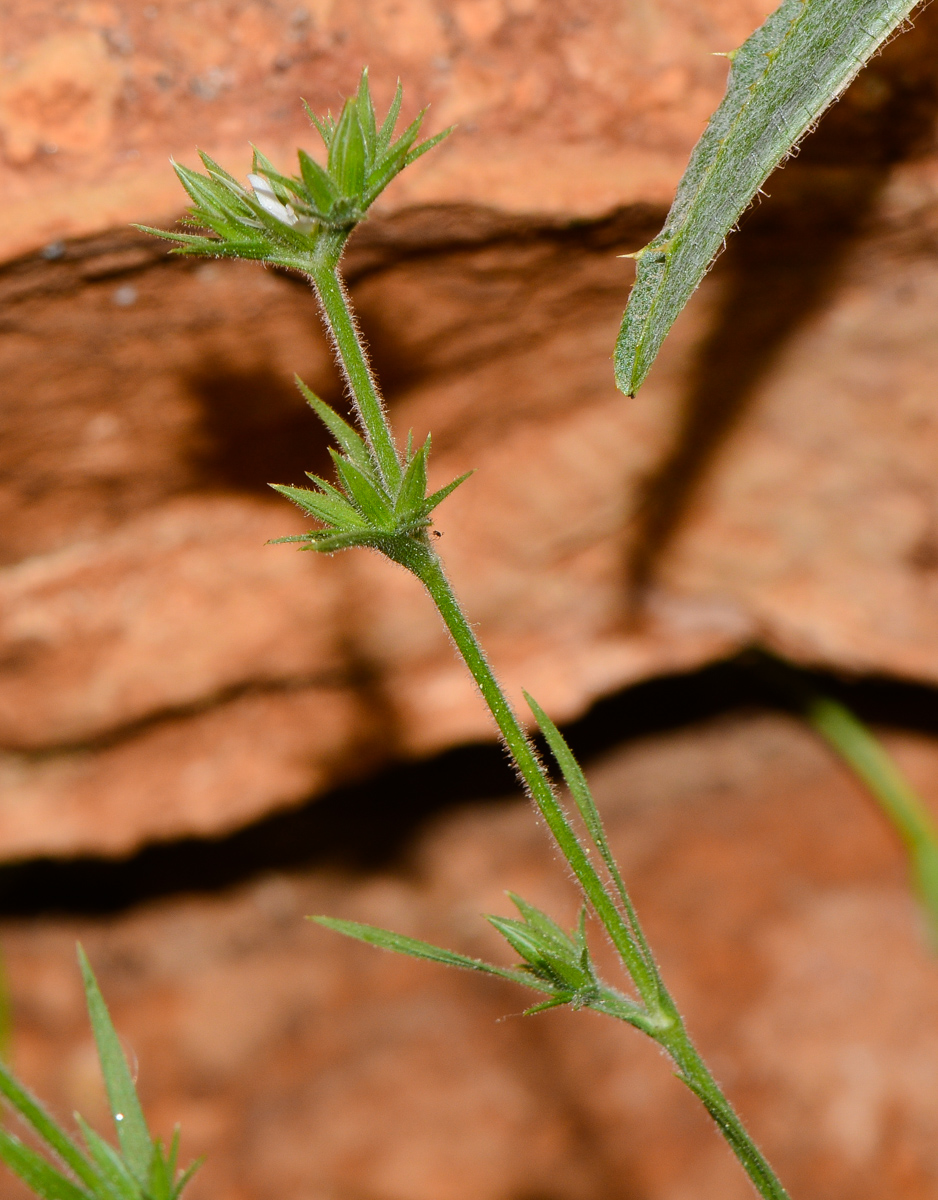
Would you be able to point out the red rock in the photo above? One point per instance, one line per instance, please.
(760, 487)
(306, 1065)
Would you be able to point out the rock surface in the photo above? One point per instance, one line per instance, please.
(304, 1065)
(773, 481)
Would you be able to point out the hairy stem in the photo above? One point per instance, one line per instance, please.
(332, 296)
(693, 1071)
(661, 1019)
(670, 1032)
(428, 569)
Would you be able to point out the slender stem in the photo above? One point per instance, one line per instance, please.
(660, 1017)
(693, 1071)
(427, 567)
(668, 1030)
(332, 296)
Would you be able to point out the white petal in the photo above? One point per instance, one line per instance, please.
(268, 201)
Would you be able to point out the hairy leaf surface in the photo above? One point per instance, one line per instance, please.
(781, 81)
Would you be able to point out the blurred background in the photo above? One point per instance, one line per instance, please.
(203, 738)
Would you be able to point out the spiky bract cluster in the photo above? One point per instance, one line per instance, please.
(281, 217)
(559, 960)
(365, 509)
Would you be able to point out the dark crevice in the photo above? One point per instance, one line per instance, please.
(782, 265)
(255, 429)
(372, 825)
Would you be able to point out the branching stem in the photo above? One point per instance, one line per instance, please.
(660, 1018)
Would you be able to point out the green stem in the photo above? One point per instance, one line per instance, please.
(332, 296)
(427, 567)
(665, 1024)
(660, 1017)
(693, 1071)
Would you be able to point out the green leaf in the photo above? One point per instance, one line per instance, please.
(522, 939)
(36, 1173)
(419, 151)
(586, 806)
(781, 81)
(540, 921)
(366, 117)
(557, 961)
(325, 541)
(186, 1176)
(437, 498)
(350, 441)
(325, 126)
(132, 1132)
(160, 1181)
(219, 172)
(397, 942)
(52, 1134)
(413, 491)
(214, 199)
(386, 132)
(333, 511)
(347, 152)
(873, 764)
(373, 504)
(111, 1166)
(321, 189)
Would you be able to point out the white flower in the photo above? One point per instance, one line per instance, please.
(267, 199)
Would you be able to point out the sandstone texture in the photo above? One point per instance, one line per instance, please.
(305, 1066)
(164, 672)
(565, 107)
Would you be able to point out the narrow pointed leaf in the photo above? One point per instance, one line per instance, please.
(320, 186)
(159, 1181)
(873, 764)
(219, 172)
(413, 491)
(541, 921)
(324, 508)
(350, 441)
(545, 955)
(419, 151)
(554, 1002)
(173, 1157)
(132, 1132)
(327, 542)
(781, 81)
(109, 1163)
(366, 116)
(39, 1175)
(347, 152)
(397, 942)
(524, 940)
(409, 136)
(583, 798)
(372, 504)
(325, 127)
(187, 243)
(437, 498)
(49, 1130)
(185, 1177)
(386, 132)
